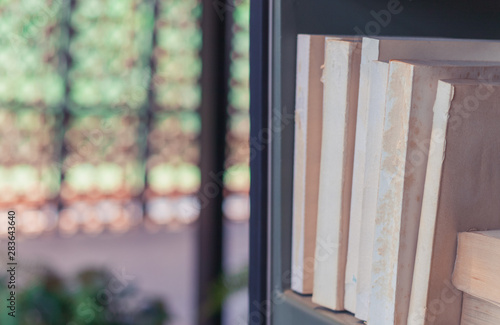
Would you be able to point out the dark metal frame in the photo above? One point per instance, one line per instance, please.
(259, 63)
(215, 55)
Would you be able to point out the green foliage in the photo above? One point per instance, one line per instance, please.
(224, 287)
(95, 297)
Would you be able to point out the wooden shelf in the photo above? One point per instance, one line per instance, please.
(296, 309)
(273, 102)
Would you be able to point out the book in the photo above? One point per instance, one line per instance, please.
(476, 311)
(378, 81)
(478, 263)
(307, 154)
(368, 136)
(410, 96)
(462, 185)
(340, 100)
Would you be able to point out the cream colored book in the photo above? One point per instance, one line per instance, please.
(462, 185)
(378, 77)
(366, 165)
(477, 265)
(476, 311)
(411, 92)
(340, 101)
(307, 154)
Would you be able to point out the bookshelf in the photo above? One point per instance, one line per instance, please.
(274, 28)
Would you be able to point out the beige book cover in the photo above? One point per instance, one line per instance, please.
(476, 311)
(478, 263)
(461, 190)
(340, 79)
(366, 170)
(307, 155)
(410, 97)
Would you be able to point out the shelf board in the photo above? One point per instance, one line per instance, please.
(292, 308)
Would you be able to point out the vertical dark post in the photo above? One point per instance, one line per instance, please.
(216, 20)
(147, 112)
(259, 135)
(64, 67)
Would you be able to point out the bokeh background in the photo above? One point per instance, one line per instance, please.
(100, 148)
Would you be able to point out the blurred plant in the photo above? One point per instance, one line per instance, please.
(172, 166)
(110, 51)
(237, 170)
(92, 298)
(103, 157)
(176, 56)
(222, 289)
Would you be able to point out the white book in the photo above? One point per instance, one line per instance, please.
(307, 146)
(340, 79)
(368, 135)
(410, 96)
(462, 190)
(378, 86)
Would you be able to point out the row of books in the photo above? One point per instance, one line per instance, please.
(396, 151)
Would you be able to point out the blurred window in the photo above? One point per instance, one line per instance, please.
(99, 121)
